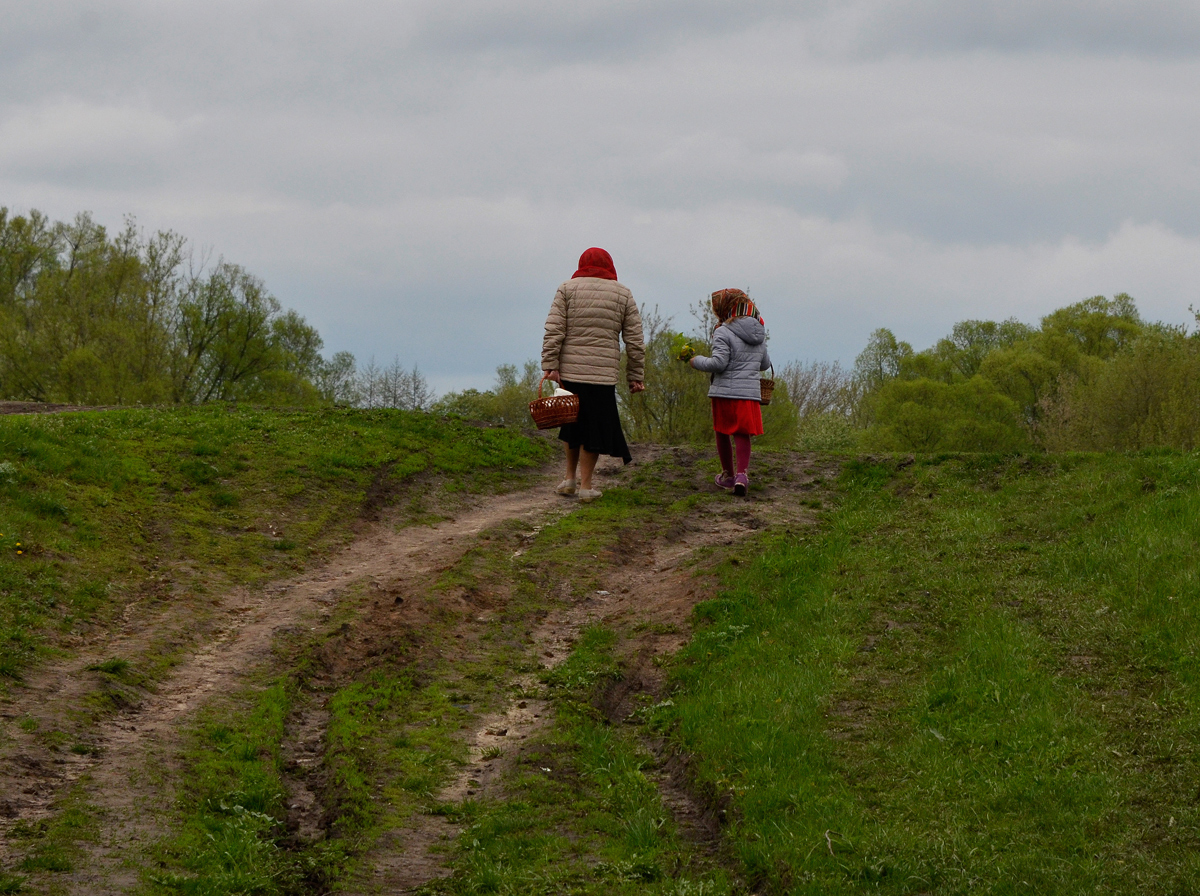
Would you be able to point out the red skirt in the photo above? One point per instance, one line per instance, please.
(737, 416)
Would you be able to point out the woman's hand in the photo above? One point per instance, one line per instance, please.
(553, 376)
(637, 386)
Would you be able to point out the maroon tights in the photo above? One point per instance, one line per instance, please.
(725, 452)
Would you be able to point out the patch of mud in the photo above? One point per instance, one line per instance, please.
(494, 743)
(380, 493)
(847, 719)
(406, 859)
(303, 751)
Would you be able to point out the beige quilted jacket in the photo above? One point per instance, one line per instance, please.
(586, 317)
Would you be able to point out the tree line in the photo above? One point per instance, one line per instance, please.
(89, 317)
(1092, 376)
(98, 318)
(92, 317)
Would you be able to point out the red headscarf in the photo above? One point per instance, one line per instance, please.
(596, 263)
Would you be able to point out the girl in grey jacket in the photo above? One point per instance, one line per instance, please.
(739, 355)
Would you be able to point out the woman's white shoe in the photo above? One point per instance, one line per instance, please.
(587, 495)
(566, 487)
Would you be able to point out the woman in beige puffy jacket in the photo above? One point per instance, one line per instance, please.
(582, 352)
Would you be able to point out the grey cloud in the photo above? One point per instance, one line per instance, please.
(407, 56)
(587, 32)
(546, 32)
(1155, 28)
(254, 55)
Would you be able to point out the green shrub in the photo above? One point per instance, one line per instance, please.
(831, 431)
(926, 415)
(1145, 396)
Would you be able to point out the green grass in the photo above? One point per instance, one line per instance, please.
(980, 676)
(228, 841)
(98, 509)
(114, 666)
(580, 814)
(390, 743)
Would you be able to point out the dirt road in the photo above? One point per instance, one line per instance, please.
(130, 770)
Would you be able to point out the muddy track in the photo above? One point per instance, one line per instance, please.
(648, 592)
(127, 775)
(123, 774)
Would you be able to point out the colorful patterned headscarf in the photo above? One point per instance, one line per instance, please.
(596, 263)
(730, 303)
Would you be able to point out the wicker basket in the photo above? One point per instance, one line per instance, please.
(553, 410)
(767, 385)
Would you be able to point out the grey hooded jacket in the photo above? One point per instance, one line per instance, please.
(738, 355)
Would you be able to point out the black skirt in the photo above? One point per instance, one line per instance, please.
(598, 427)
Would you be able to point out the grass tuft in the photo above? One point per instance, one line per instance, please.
(113, 666)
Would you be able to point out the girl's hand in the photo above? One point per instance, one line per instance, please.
(553, 376)
(637, 386)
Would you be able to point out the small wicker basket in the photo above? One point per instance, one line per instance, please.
(767, 386)
(553, 410)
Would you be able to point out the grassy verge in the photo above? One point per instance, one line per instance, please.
(980, 676)
(101, 509)
(392, 729)
(581, 812)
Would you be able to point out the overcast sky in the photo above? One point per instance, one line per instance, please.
(416, 178)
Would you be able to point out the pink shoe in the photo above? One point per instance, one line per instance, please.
(741, 485)
(725, 481)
